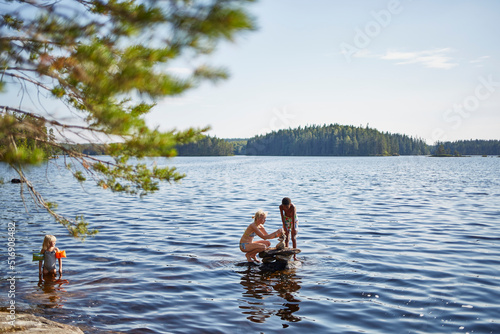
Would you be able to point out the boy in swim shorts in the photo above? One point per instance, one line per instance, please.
(288, 213)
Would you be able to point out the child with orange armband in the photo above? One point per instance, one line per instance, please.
(50, 253)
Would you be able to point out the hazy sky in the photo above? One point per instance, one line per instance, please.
(426, 68)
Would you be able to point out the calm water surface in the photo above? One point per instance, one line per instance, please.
(389, 245)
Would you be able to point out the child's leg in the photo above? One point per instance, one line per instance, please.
(266, 244)
(251, 256)
(287, 238)
(294, 238)
(254, 248)
(294, 242)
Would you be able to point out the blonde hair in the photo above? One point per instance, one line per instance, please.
(46, 242)
(259, 214)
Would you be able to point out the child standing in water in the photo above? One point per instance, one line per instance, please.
(49, 250)
(288, 213)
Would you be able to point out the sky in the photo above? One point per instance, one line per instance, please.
(426, 68)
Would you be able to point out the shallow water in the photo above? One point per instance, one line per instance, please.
(389, 245)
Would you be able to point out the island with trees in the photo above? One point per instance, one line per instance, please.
(336, 140)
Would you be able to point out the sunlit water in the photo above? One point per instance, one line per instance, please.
(389, 245)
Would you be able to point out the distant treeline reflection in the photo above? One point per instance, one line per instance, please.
(326, 140)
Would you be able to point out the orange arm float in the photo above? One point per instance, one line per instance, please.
(60, 254)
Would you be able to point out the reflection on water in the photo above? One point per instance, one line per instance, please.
(261, 285)
(51, 289)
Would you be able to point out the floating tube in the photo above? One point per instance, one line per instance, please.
(37, 257)
(60, 254)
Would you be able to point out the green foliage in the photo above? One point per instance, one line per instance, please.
(25, 140)
(239, 146)
(107, 62)
(467, 147)
(133, 178)
(207, 146)
(441, 152)
(335, 140)
(51, 205)
(77, 227)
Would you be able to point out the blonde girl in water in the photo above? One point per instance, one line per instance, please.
(49, 250)
(252, 248)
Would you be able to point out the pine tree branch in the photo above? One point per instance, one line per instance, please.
(52, 122)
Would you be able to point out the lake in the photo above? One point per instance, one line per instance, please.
(389, 245)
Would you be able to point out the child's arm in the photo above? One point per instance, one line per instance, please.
(40, 263)
(60, 262)
(261, 232)
(283, 220)
(60, 266)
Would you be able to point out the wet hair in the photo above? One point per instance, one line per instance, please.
(286, 201)
(46, 242)
(259, 214)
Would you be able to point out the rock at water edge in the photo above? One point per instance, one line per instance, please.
(30, 324)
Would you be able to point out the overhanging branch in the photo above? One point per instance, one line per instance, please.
(52, 122)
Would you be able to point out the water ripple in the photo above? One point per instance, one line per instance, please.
(389, 245)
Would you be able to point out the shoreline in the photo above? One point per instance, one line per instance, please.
(26, 323)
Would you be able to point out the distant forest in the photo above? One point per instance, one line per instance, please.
(326, 140)
(335, 140)
(207, 146)
(471, 147)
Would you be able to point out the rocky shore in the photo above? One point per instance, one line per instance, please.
(30, 324)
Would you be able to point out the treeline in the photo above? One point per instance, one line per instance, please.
(468, 147)
(335, 140)
(207, 146)
(87, 148)
(326, 140)
(239, 145)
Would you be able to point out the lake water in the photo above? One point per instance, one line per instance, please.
(389, 245)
